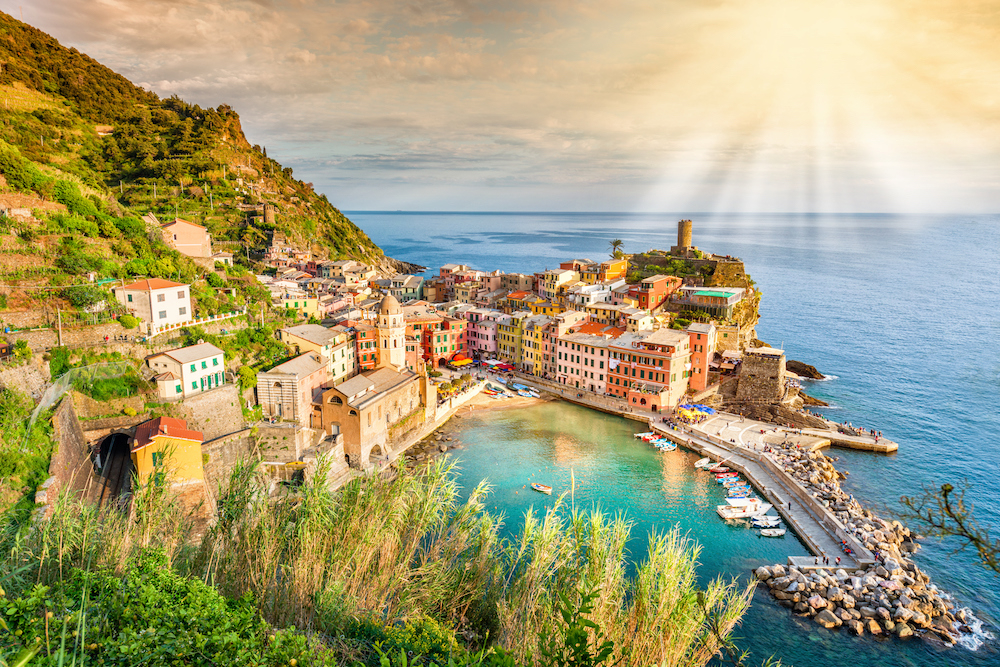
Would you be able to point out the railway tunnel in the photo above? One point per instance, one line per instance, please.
(113, 470)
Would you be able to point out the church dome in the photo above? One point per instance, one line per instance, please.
(390, 306)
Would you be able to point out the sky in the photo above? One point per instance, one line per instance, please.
(594, 105)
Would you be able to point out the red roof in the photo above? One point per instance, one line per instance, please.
(518, 295)
(170, 427)
(152, 284)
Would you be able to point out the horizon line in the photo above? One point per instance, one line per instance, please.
(670, 213)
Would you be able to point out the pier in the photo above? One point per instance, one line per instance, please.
(740, 442)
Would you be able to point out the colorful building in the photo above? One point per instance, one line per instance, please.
(533, 344)
(582, 357)
(156, 301)
(187, 371)
(286, 392)
(440, 336)
(166, 445)
(510, 336)
(716, 301)
(702, 339)
(650, 369)
(306, 306)
(187, 238)
(651, 292)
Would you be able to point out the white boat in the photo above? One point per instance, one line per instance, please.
(643, 435)
(772, 532)
(743, 508)
(700, 463)
(765, 521)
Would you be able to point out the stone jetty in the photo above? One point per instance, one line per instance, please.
(890, 596)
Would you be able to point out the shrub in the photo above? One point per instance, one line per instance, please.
(81, 296)
(67, 192)
(128, 321)
(130, 411)
(20, 174)
(215, 280)
(22, 350)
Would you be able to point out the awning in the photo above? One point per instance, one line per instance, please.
(461, 362)
(727, 367)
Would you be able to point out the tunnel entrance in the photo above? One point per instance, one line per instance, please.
(113, 466)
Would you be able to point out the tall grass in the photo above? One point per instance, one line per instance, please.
(390, 550)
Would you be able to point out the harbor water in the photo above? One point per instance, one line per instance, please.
(900, 313)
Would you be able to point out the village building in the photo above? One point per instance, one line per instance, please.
(365, 344)
(335, 344)
(406, 288)
(702, 339)
(187, 371)
(365, 409)
(517, 282)
(582, 358)
(510, 337)
(440, 336)
(166, 446)
(548, 287)
(305, 306)
(286, 392)
(533, 344)
(652, 292)
(156, 301)
(187, 238)
(391, 334)
(716, 301)
(650, 369)
(481, 332)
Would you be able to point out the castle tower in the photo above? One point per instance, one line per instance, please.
(684, 230)
(269, 210)
(391, 329)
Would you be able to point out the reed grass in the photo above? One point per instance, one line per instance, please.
(395, 549)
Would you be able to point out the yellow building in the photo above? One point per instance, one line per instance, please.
(541, 307)
(533, 344)
(598, 273)
(510, 336)
(306, 306)
(167, 442)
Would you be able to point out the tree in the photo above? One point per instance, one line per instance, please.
(22, 350)
(616, 247)
(944, 514)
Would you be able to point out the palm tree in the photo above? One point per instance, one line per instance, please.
(616, 247)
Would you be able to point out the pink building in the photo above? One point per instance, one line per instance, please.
(481, 335)
(582, 358)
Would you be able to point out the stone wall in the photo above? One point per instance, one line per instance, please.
(762, 379)
(221, 455)
(88, 408)
(31, 378)
(215, 413)
(284, 443)
(728, 273)
(70, 468)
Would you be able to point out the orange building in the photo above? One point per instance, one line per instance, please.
(650, 369)
(702, 338)
(187, 238)
(166, 445)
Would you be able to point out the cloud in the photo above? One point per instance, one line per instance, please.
(725, 101)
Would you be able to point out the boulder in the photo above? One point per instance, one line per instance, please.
(902, 614)
(817, 602)
(801, 608)
(883, 613)
(905, 601)
(868, 612)
(888, 625)
(828, 620)
(847, 602)
(793, 587)
(763, 573)
(881, 572)
(834, 594)
(892, 565)
(843, 615)
(778, 571)
(903, 630)
(856, 627)
(873, 627)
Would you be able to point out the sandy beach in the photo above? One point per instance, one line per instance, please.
(483, 403)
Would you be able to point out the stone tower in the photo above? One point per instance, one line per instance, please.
(269, 210)
(391, 334)
(685, 229)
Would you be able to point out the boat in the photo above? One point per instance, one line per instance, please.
(700, 463)
(719, 469)
(643, 435)
(726, 475)
(542, 488)
(772, 532)
(730, 482)
(668, 447)
(742, 508)
(765, 521)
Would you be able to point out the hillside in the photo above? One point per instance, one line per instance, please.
(129, 152)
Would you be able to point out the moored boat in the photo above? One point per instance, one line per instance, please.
(742, 508)
(772, 532)
(765, 521)
(700, 463)
(542, 488)
(718, 469)
(643, 435)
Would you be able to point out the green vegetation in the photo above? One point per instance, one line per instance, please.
(394, 571)
(24, 462)
(128, 322)
(82, 135)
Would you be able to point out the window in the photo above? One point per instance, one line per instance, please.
(163, 314)
(215, 361)
(129, 297)
(182, 311)
(160, 298)
(194, 385)
(178, 389)
(180, 295)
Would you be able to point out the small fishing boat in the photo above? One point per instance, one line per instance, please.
(726, 475)
(700, 463)
(718, 469)
(730, 482)
(742, 508)
(542, 488)
(643, 435)
(772, 532)
(669, 447)
(765, 521)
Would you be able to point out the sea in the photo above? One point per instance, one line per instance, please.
(900, 313)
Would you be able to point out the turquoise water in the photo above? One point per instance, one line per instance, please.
(903, 311)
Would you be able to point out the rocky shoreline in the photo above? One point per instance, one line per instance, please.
(891, 597)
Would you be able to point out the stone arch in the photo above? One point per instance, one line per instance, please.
(376, 455)
(336, 400)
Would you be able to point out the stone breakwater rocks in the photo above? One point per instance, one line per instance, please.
(891, 597)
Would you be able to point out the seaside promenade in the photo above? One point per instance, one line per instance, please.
(740, 443)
